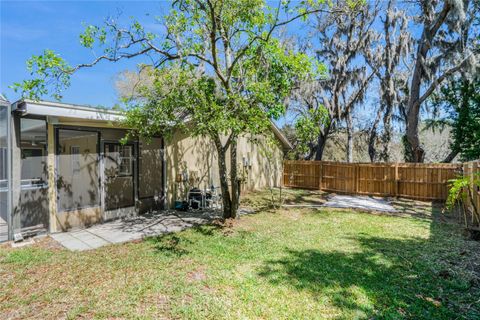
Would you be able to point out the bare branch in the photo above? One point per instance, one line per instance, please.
(442, 77)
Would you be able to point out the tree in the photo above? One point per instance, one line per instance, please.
(443, 49)
(217, 66)
(342, 39)
(308, 128)
(386, 59)
(459, 99)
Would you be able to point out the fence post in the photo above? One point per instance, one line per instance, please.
(468, 172)
(395, 187)
(320, 176)
(472, 183)
(476, 193)
(357, 168)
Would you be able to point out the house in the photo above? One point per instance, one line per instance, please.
(63, 166)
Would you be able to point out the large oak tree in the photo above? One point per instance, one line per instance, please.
(442, 50)
(339, 40)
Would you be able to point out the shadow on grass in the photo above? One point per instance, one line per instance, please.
(418, 209)
(176, 244)
(208, 229)
(170, 245)
(267, 201)
(307, 198)
(410, 278)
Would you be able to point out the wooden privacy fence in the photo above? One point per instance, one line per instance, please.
(409, 180)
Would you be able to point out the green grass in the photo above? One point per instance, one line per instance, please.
(287, 264)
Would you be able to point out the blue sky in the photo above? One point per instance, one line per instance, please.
(29, 27)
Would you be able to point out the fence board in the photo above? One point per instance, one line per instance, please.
(409, 180)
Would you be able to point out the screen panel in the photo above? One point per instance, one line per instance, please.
(3, 173)
(78, 184)
(33, 205)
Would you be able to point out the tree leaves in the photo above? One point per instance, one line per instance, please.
(48, 69)
(460, 101)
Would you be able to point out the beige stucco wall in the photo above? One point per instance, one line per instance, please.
(198, 157)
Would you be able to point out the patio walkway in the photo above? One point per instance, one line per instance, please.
(134, 228)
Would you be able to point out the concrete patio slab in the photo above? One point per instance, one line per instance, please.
(74, 244)
(133, 228)
(360, 202)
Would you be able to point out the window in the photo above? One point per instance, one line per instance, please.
(125, 161)
(33, 146)
(120, 158)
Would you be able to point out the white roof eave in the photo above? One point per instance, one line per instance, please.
(73, 111)
(53, 109)
(287, 144)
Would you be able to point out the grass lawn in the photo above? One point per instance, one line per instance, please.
(295, 264)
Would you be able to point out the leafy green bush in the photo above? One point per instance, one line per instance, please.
(461, 193)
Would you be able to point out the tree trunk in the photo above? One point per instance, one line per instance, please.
(372, 152)
(411, 143)
(234, 179)
(414, 151)
(387, 134)
(451, 156)
(349, 138)
(372, 137)
(222, 167)
(322, 141)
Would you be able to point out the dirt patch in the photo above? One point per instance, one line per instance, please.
(44, 242)
(48, 243)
